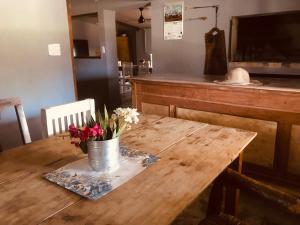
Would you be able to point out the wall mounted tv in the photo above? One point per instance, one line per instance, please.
(266, 38)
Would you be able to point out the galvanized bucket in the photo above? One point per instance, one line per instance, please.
(104, 156)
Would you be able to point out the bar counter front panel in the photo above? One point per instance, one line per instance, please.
(272, 110)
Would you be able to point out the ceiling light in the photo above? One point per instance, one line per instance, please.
(141, 19)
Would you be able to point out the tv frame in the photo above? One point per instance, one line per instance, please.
(259, 67)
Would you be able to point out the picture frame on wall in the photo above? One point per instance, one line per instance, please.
(173, 20)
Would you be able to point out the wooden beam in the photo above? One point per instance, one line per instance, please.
(257, 171)
(71, 38)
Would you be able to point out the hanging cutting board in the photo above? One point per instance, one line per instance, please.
(215, 58)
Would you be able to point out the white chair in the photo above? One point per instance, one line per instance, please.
(56, 120)
(16, 103)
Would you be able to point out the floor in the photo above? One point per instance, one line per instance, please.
(126, 100)
(252, 210)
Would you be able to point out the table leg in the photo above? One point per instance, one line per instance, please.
(232, 194)
(216, 197)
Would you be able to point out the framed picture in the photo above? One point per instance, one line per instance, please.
(173, 20)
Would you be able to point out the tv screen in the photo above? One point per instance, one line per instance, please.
(81, 48)
(266, 38)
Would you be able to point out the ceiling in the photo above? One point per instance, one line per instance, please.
(130, 16)
(126, 10)
(88, 18)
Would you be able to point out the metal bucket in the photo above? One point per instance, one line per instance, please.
(104, 156)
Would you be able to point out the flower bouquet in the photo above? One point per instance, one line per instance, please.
(99, 138)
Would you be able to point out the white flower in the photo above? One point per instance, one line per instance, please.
(130, 115)
(114, 116)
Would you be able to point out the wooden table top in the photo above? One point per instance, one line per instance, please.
(192, 155)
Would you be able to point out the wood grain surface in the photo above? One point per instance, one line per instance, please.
(294, 156)
(260, 151)
(192, 155)
(272, 110)
(162, 110)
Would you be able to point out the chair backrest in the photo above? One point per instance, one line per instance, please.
(127, 69)
(16, 103)
(56, 120)
(144, 68)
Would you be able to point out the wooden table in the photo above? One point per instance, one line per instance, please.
(192, 155)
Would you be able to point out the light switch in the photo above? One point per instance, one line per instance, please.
(103, 50)
(54, 50)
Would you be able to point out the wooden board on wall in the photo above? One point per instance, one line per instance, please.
(161, 110)
(294, 154)
(260, 151)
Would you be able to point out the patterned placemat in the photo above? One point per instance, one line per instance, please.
(79, 177)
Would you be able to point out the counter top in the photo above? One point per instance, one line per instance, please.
(268, 83)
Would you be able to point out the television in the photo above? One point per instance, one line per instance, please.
(266, 38)
(81, 48)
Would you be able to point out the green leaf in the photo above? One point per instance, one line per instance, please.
(98, 116)
(100, 119)
(83, 146)
(91, 122)
(109, 133)
(121, 129)
(106, 117)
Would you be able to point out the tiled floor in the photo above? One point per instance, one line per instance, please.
(252, 210)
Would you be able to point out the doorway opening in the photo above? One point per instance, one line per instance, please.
(133, 29)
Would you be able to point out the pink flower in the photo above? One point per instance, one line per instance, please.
(74, 132)
(96, 131)
(84, 134)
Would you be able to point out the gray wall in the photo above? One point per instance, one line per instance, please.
(108, 36)
(26, 70)
(187, 55)
(98, 78)
(87, 31)
(83, 6)
(141, 45)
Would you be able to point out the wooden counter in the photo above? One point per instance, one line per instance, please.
(272, 110)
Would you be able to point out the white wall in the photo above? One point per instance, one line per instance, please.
(26, 70)
(187, 55)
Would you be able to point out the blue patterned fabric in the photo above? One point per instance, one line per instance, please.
(90, 185)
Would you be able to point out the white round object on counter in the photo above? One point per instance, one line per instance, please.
(238, 76)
